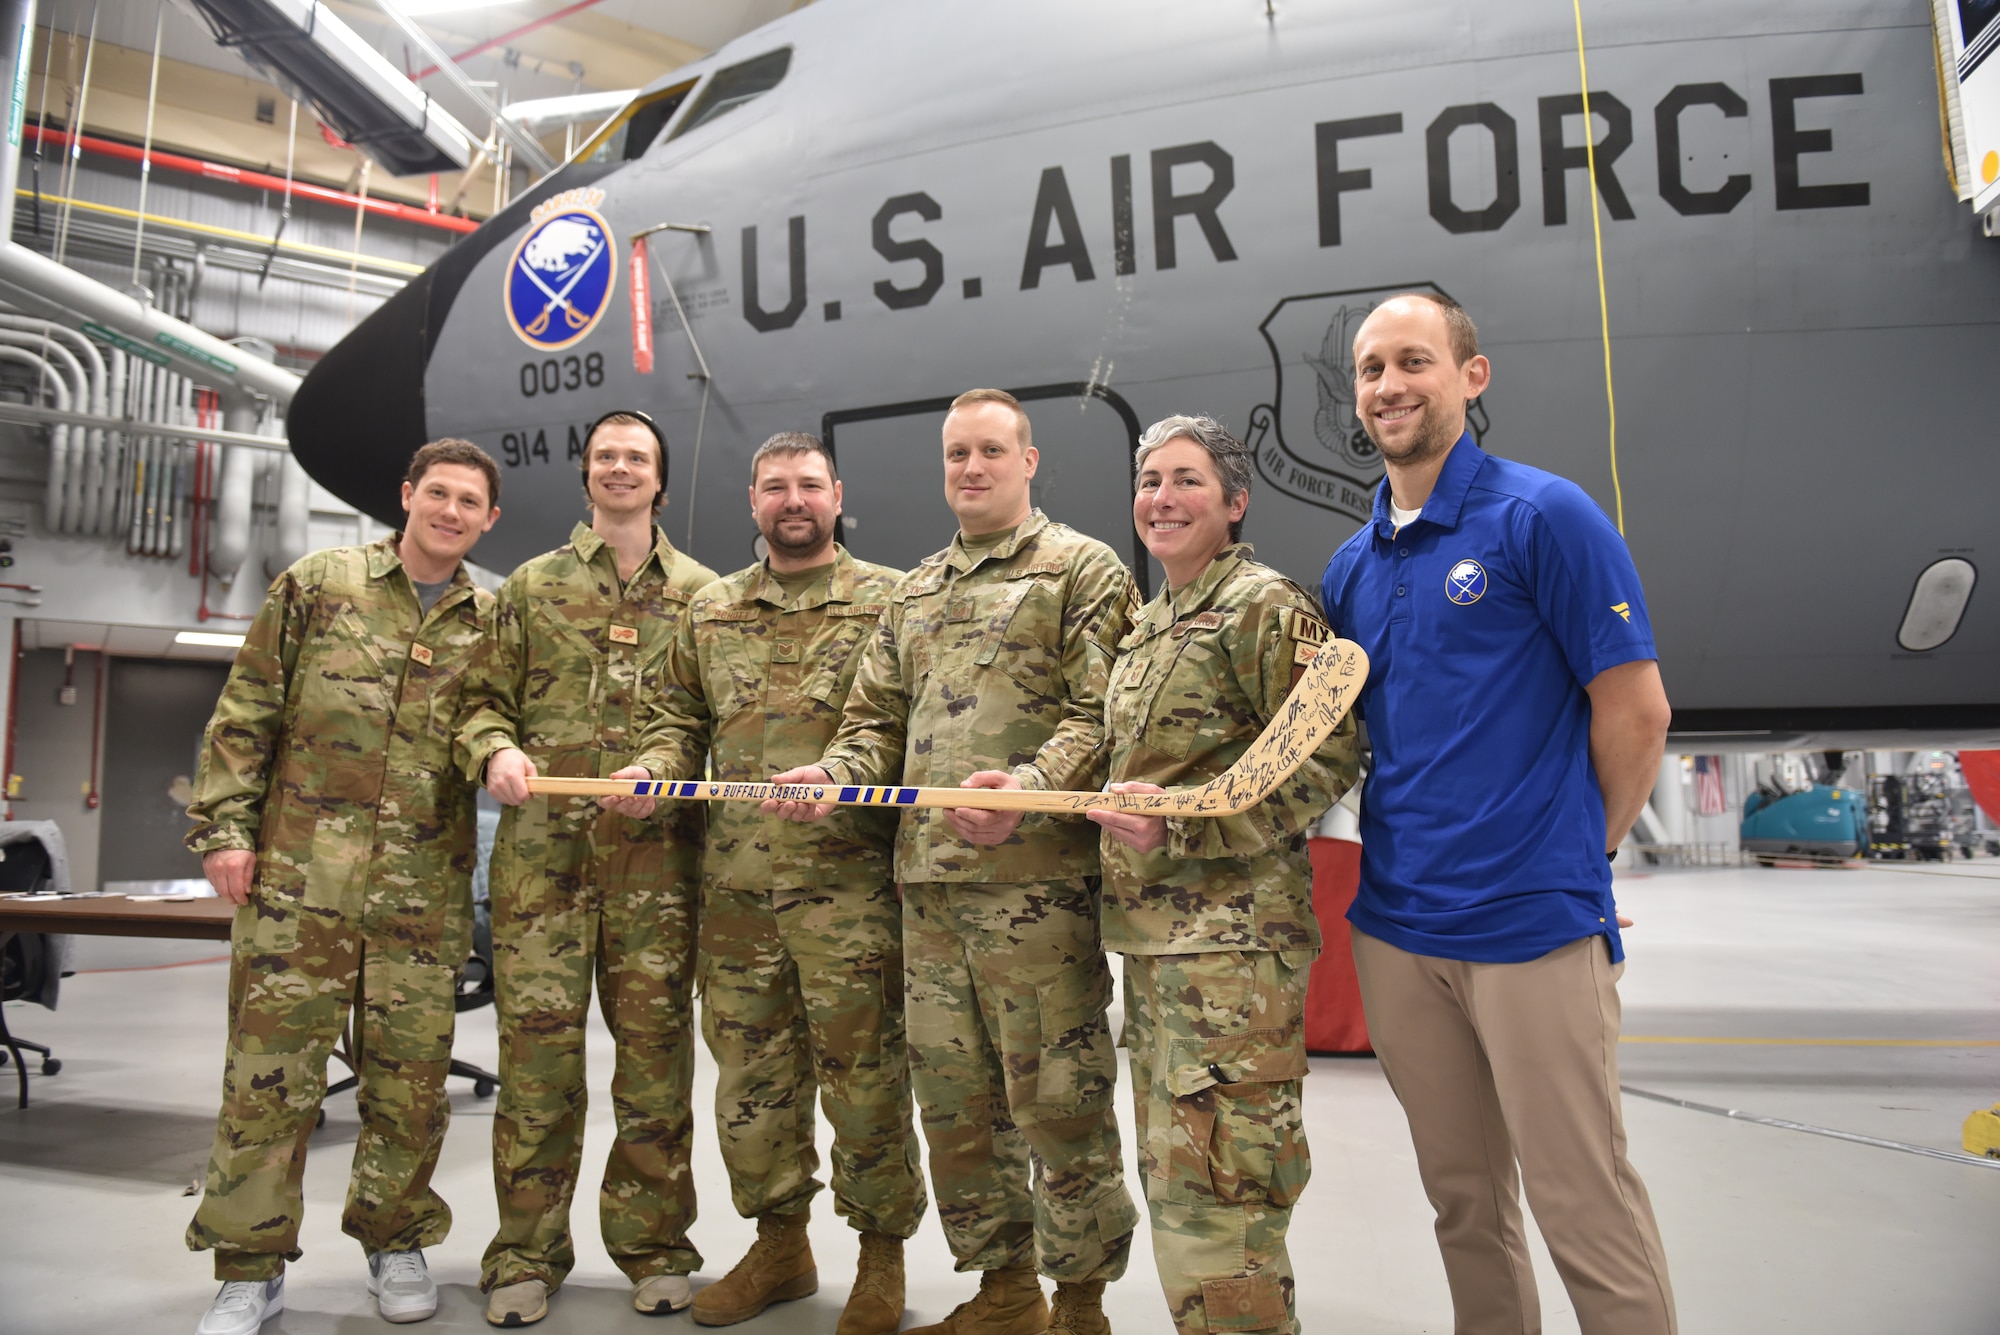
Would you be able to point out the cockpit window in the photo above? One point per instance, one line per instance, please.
(632, 131)
(731, 88)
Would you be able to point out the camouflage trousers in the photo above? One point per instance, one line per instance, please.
(624, 919)
(1218, 1052)
(802, 994)
(293, 977)
(1014, 1068)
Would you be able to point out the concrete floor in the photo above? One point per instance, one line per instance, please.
(1767, 1230)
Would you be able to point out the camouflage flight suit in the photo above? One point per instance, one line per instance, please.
(1217, 930)
(801, 930)
(330, 756)
(998, 660)
(581, 892)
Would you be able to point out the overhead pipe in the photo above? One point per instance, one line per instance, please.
(59, 460)
(158, 411)
(54, 355)
(29, 414)
(176, 480)
(177, 510)
(142, 456)
(254, 180)
(294, 516)
(60, 290)
(523, 143)
(117, 445)
(86, 520)
(233, 501)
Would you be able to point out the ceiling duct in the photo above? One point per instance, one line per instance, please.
(306, 50)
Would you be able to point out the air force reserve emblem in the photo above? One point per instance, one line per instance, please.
(1465, 583)
(560, 279)
(1308, 442)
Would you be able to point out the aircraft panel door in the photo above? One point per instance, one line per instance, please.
(892, 473)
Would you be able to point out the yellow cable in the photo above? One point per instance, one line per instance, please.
(249, 238)
(1597, 234)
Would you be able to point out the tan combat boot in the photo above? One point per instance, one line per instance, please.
(875, 1304)
(1079, 1309)
(777, 1268)
(1009, 1302)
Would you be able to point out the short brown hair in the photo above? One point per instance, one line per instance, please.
(452, 450)
(793, 442)
(624, 417)
(977, 396)
(1464, 335)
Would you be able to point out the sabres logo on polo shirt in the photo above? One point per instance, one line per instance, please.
(562, 274)
(1465, 584)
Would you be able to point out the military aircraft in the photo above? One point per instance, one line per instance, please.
(1124, 210)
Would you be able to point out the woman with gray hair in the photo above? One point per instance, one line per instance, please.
(1214, 916)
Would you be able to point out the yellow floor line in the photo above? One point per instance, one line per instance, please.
(1819, 1042)
(248, 238)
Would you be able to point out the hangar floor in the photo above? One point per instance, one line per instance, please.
(1767, 1230)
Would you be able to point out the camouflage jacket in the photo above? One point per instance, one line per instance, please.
(332, 750)
(991, 661)
(575, 655)
(761, 681)
(1201, 674)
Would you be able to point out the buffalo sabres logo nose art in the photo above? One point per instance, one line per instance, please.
(561, 277)
(1466, 583)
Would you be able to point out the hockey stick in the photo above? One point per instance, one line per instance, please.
(1322, 697)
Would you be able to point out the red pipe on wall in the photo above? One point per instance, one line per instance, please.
(256, 180)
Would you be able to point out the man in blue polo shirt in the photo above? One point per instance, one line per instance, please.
(1517, 717)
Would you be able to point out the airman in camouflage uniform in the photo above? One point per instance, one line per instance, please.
(582, 893)
(1215, 919)
(801, 928)
(991, 663)
(328, 803)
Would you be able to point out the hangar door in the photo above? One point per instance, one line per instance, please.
(156, 711)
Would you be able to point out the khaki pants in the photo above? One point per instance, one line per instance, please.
(1495, 1063)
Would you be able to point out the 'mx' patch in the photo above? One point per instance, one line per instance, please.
(624, 635)
(420, 654)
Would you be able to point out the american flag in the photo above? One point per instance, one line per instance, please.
(1708, 798)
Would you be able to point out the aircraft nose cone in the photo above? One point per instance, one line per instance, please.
(359, 415)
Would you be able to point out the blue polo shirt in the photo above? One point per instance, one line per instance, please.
(1482, 825)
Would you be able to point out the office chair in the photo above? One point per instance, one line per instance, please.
(24, 959)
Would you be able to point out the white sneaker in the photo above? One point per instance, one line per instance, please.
(242, 1306)
(657, 1295)
(402, 1286)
